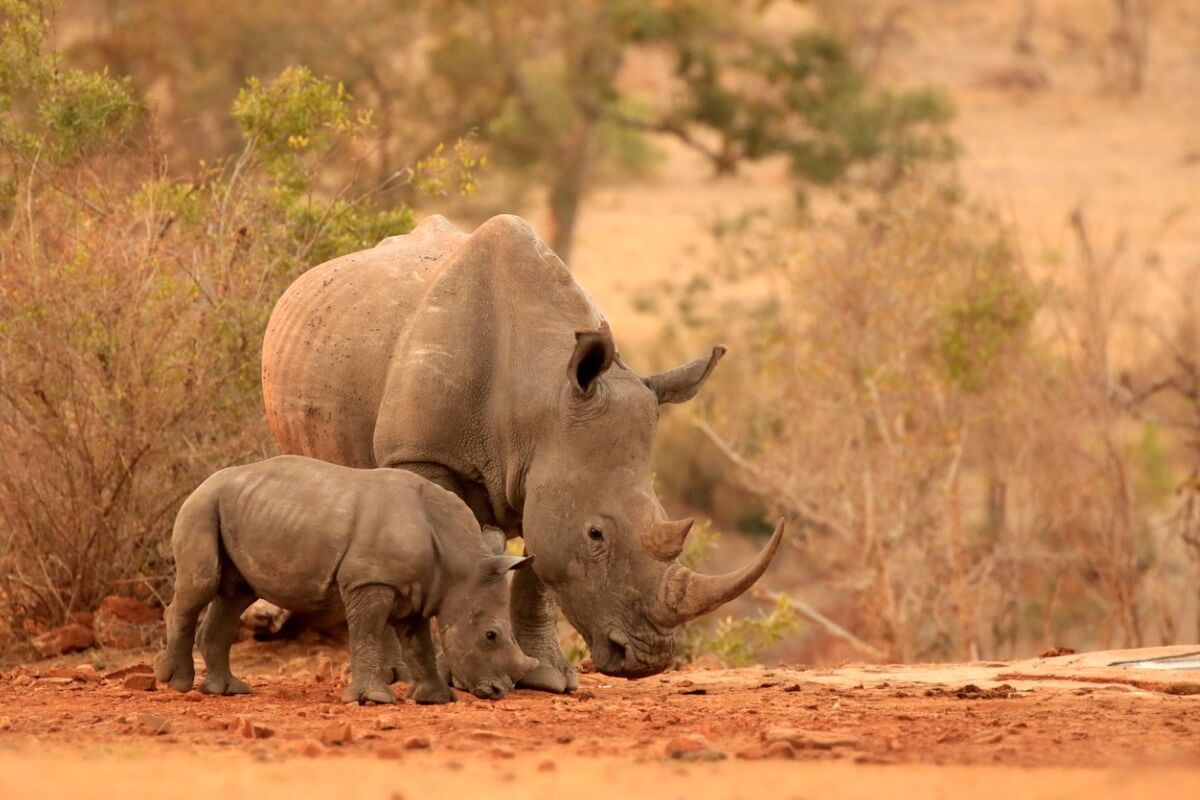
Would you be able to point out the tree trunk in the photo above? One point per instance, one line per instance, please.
(566, 192)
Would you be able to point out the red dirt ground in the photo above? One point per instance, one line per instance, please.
(1047, 727)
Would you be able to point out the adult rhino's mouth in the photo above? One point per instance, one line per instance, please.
(617, 653)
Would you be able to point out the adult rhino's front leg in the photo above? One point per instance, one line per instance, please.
(535, 625)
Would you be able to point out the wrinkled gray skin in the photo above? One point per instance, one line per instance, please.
(478, 362)
(387, 547)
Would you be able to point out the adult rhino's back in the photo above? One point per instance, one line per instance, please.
(329, 340)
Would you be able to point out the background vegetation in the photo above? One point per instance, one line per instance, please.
(970, 471)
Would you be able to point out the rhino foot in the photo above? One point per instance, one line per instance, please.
(432, 693)
(550, 678)
(223, 684)
(374, 694)
(175, 673)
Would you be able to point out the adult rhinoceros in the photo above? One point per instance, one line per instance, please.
(478, 362)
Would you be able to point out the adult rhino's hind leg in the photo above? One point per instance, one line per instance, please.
(535, 625)
(217, 635)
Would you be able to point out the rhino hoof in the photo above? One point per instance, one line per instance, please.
(432, 693)
(546, 678)
(377, 694)
(223, 684)
(179, 677)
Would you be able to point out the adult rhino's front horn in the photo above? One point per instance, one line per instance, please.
(684, 594)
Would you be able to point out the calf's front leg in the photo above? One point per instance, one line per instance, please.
(416, 643)
(368, 610)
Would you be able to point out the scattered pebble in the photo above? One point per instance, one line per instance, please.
(389, 722)
(139, 682)
(152, 724)
(249, 729)
(417, 742)
(503, 751)
(781, 749)
(389, 752)
(692, 747)
(817, 740)
(309, 748)
(337, 733)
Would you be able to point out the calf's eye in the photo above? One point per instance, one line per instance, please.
(491, 636)
(595, 534)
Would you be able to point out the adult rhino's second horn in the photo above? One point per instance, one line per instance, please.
(685, 595)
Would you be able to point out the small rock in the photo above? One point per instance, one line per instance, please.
(84, 618)
(249, 729)
(546, 765)
(872, 758)
(565, 738)
(817, 740)
(66, 639)
(126, 623)
(390, 752)
(56, 681)
(22, 680)
(503, 751)
(337, 733)
(417, 742)
(752, 753)
(71, 675)
(324, 669)
(781, 749)
(139, 682)
(152, 724)
(132, 669)
(389, 722)
(6, 723)
(692, 747)
(309, 748)
(994, 738)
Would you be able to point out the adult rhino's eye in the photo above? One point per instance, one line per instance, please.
(595, 534)
(492, 636)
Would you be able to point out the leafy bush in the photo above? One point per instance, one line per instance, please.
(132, 305)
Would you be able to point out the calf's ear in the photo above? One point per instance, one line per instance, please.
(681, 384)
(594, 354)
(495, 566)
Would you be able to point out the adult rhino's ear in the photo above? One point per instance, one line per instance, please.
(495, 566)
(682, 383)
(594, 354)
(495, 539)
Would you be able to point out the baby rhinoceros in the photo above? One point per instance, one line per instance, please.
(388, 547)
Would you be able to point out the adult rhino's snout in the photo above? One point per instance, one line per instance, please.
(683, 594)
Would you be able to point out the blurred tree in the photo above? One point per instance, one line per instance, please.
(543, 83)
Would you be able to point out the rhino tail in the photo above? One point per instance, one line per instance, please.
(196, 545)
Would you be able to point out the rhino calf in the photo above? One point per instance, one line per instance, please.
(385, 546)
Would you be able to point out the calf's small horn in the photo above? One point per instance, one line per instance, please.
(664, 540)
(685, 595)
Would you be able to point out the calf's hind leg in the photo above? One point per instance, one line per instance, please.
(368, 609)
(197, 575)
(217, 635)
